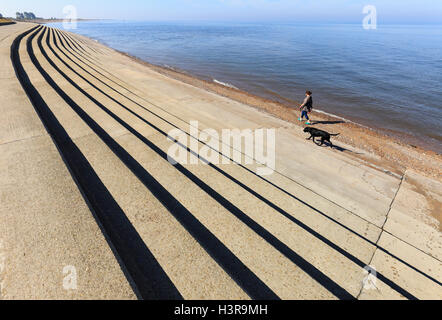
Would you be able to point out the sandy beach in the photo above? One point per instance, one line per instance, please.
(87, 186)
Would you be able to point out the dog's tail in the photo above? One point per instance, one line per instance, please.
(334, 135)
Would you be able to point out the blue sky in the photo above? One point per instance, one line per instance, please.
(338, 11)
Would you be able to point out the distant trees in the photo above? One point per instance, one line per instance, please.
(25, 16)
(1, 16)
(29, 15)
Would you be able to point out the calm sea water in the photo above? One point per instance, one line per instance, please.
(389, 78)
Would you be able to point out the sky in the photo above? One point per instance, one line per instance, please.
(325, 11)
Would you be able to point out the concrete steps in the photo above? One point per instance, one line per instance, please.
(215, 231)
(45, 224)
(171, 182)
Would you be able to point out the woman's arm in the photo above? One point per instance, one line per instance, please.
(304, 103)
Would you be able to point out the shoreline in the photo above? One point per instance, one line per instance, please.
(45, 21)
(388, 149)
(391, 150)
(292, 105)
(207, 82)
(404, 134)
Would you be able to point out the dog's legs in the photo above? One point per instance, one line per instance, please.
(310, 137)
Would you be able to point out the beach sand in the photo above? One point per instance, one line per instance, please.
(87, 160)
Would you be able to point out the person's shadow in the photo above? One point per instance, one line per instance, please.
(327, 122)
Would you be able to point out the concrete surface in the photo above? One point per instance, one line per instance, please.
(307, 229)
(45, 225)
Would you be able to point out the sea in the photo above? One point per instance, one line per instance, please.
(389, 78)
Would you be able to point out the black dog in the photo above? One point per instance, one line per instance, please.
(325, 136)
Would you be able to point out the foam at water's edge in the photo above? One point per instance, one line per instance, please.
(225, 84)
(341, 118)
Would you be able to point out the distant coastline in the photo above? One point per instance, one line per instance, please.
(282, 107)
(5, 22)
(45, 21)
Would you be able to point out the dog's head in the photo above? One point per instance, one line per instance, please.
(307, 129)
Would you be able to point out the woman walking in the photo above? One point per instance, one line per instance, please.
(306, 107)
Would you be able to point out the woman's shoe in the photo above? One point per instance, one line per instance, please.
(299, 119)
(308, 123)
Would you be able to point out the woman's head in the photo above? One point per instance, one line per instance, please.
(308, 92)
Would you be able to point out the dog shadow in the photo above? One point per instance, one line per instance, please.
(334, 147)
